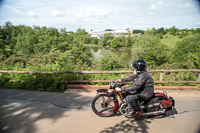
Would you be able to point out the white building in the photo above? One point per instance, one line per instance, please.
(116, 33)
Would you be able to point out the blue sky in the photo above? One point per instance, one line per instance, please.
(101, 14)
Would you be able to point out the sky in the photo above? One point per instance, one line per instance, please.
(99, 15)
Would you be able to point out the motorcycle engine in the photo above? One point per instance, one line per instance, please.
(125, 110)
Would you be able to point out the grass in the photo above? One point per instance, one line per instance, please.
(170, 40)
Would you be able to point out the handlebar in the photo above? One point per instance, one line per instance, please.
(116, 84)
(120, 84)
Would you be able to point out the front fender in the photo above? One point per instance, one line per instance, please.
(102, 91)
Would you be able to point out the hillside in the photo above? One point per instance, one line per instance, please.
(170, 40)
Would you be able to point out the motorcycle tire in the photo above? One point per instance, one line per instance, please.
(103, 105)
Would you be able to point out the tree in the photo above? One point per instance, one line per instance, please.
(149, 48)
(160, 31)
(138, 31)
(8, 39)
(129, 41)
(106, 40)
(187, 52)
(115, 42)
(173, 30)
(25, 43)
(109, 61)
(80, 31)
(94, 41)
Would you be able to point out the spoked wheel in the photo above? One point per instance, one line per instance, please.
(103, 105)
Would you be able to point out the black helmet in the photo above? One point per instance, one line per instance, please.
(139, 64)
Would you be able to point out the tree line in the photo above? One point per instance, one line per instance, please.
(24, 46)
(49, 49)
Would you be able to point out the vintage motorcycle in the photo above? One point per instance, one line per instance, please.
(107, 104)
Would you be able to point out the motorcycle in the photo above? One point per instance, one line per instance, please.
(106, 104)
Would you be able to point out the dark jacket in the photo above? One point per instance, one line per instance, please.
(142, 83)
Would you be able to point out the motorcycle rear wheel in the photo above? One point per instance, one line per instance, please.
(102, 105)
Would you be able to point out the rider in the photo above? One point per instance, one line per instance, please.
(143, 84)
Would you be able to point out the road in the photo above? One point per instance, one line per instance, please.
(24, 111)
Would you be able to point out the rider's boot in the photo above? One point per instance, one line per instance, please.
(134, 114)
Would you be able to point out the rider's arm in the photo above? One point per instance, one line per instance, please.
(138, 84)
(128, 79)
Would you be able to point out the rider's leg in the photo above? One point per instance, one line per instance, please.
(132, 101)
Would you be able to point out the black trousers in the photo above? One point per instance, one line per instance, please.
(132, 100)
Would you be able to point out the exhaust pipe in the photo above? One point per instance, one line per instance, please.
(154, 113)
(151, 105)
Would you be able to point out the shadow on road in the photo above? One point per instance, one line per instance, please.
(137, 125)
(20, 110)
(130, 125)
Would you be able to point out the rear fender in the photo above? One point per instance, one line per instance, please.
(161, 96)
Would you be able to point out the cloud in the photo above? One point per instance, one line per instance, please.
(154, 7)
(91, 12)
(32, 14)
(186, 5)
(95, 14)
(57, 13)
(171, 5)
(88, 15)
(158, 6)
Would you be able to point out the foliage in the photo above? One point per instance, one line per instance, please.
(187, 52)
(106, 40)
(116, 42)
(170, 40)
(49, 49)
(149, 48)
(160, 31)
(138, 31)
(110, 61)
(173, 31)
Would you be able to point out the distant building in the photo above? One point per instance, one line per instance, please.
(116, 33)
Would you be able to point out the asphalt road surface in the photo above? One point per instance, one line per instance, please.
(46, 112)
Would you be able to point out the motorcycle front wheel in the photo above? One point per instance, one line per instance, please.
(103, 105)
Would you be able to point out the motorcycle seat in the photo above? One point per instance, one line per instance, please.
(145, 101)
